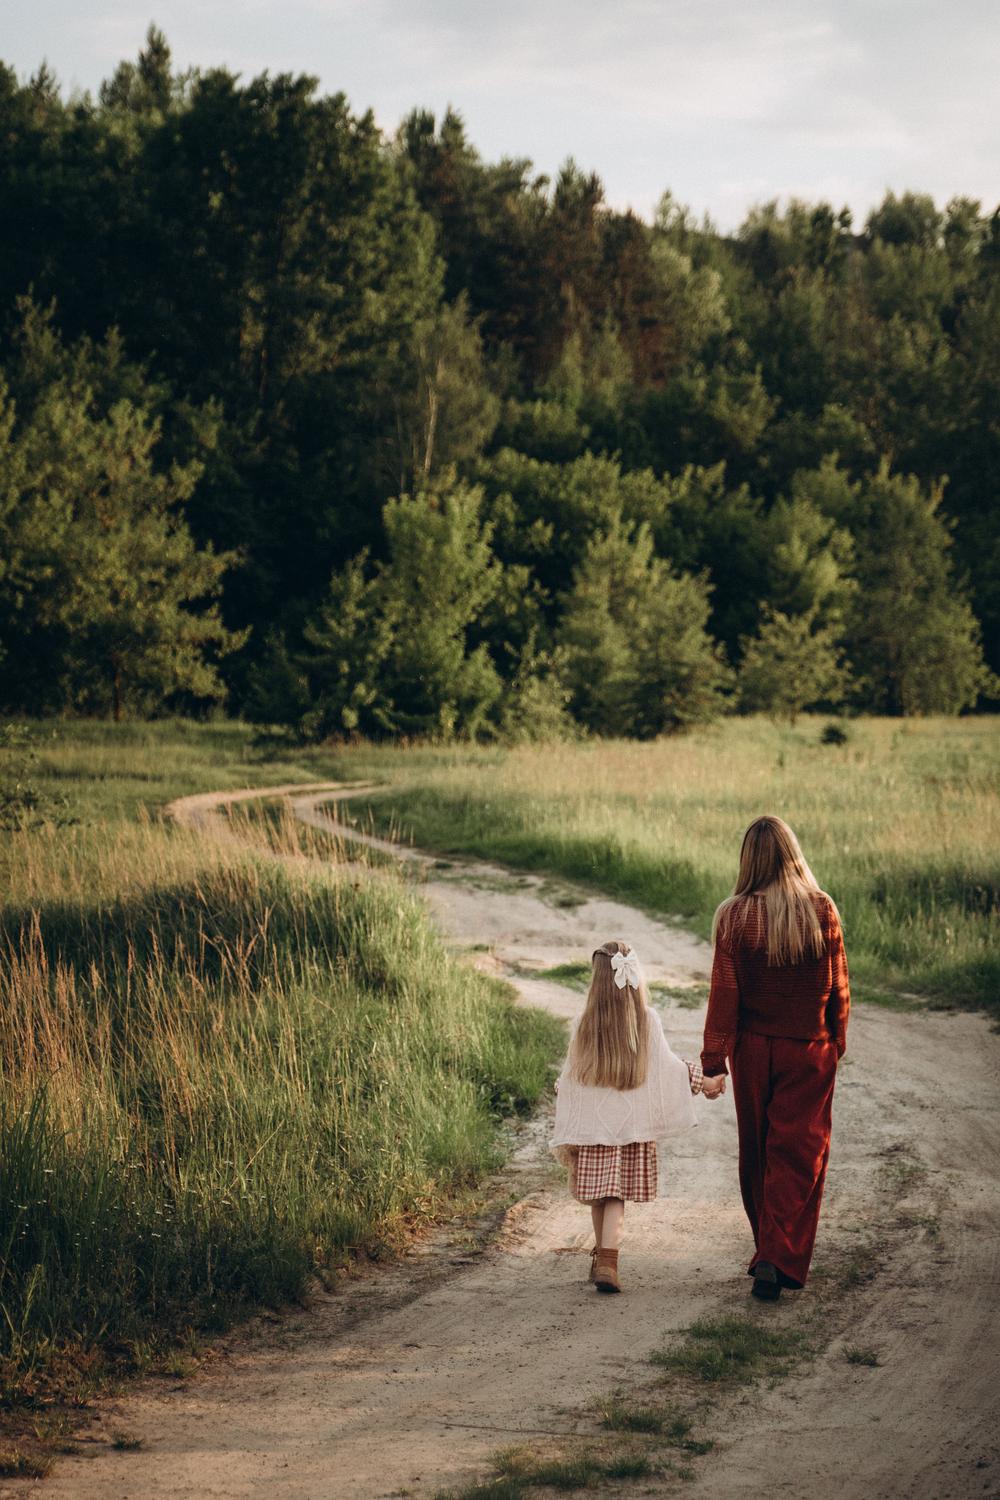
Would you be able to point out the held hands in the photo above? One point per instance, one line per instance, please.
(713, 1087)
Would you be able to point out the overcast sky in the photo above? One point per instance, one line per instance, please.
(726, 102)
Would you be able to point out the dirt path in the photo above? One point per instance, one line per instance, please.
(408, 1380)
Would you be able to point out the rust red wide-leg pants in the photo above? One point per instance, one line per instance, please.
(783, 1090)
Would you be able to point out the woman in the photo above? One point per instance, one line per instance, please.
(778, 1011)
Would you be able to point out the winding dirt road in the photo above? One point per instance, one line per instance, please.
(407, 1380)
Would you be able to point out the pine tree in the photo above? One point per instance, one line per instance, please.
(911, 634)
(392, 650)
(102, 583)
(639, 660)
(791, 664)
(348, 644)
(449, 412)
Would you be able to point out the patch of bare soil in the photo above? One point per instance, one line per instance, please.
(408, 1380)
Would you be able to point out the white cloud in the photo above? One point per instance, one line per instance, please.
(727, 101)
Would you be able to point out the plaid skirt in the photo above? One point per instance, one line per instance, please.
(615, 1172)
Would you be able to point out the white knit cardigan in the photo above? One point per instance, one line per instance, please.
(661, 1106)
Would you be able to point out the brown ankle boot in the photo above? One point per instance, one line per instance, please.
(606, 1271)
(593, 1262)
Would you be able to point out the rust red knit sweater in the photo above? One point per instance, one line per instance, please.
(809, 1000)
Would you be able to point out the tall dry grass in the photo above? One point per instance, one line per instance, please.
(222, 1071)
(901, 824)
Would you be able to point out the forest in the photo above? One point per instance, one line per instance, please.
(366, 436)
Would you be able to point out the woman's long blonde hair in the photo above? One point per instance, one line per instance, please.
(609, 1049)
(773, 870)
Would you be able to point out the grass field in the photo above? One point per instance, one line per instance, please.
(901, 825)
(220, 1073)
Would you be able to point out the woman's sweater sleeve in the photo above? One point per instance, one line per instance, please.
(838, 1006)
(723, 1013)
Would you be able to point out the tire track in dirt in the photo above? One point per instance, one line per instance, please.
(407, 1380)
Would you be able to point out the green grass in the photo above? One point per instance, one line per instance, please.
(645, 1432)
(899, 1174)
(736, 1349)
(96, 772)
(575, 976)
(17, 1465)
(221, 1073)
(518, 1470)
(621, 1414)
(901, 825)
(686, 997)
(857, 1269)
(858, 1356)
(506, 1487)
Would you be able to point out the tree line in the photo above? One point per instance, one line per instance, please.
(368, 435)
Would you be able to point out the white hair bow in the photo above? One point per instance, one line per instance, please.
(626, 969)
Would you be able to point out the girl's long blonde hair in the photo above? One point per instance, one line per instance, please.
(609, 1048)
(774, 872)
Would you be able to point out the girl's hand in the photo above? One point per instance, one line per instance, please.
(713, 1087)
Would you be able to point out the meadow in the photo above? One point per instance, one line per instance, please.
(900, 823)
(226, 1070)
(223, 1072)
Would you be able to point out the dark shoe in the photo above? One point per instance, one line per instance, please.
(765, 1282)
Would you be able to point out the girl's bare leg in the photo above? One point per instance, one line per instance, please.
(613, 1223)
(597, 1214)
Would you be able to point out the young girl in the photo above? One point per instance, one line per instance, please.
(620, 1090)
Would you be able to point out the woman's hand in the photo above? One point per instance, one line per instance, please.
(713, 1087)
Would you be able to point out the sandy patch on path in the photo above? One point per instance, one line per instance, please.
(411, 1383)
